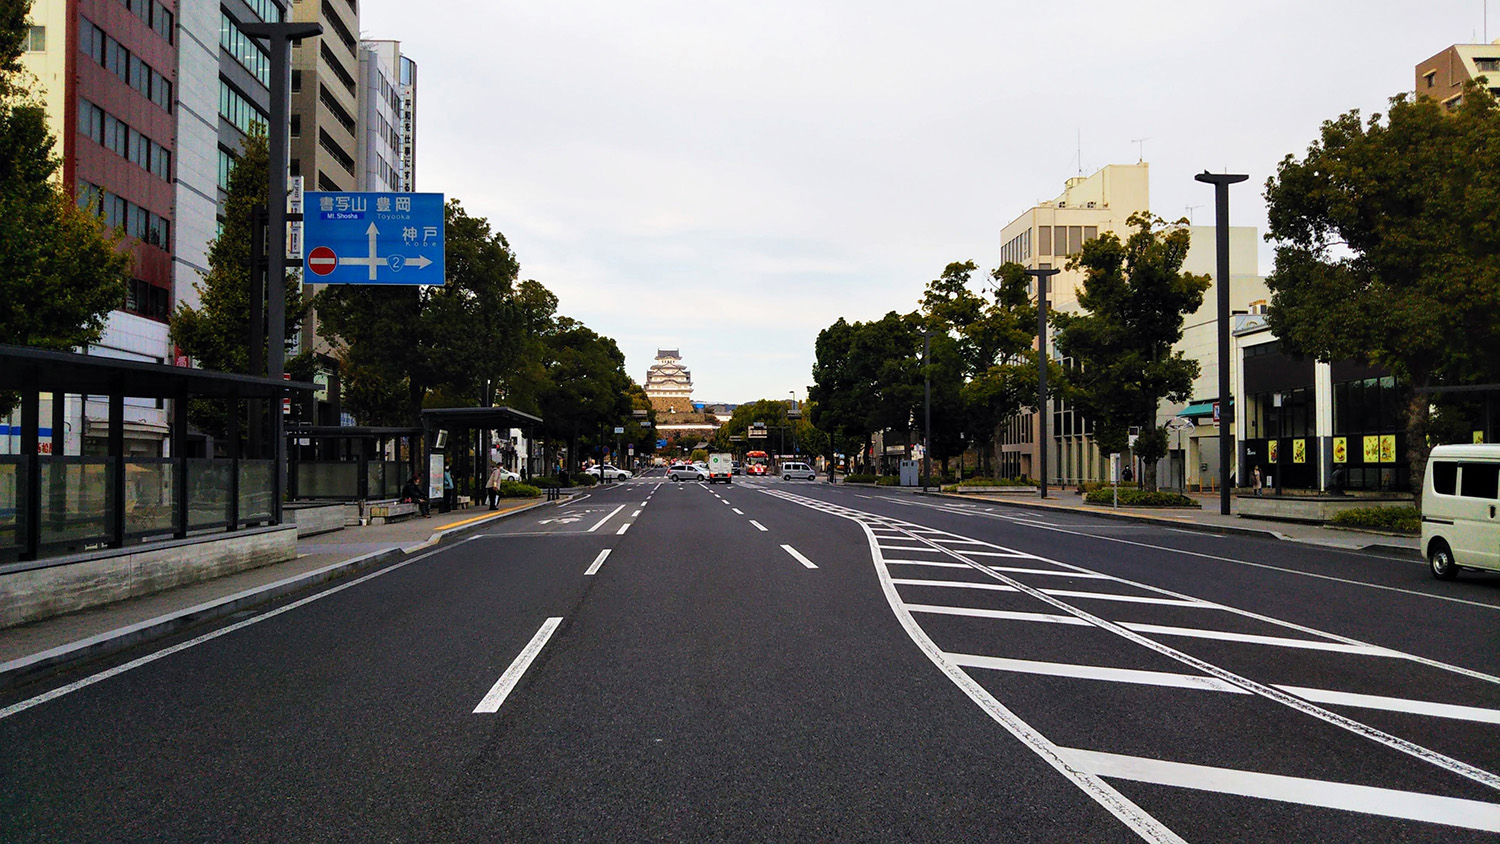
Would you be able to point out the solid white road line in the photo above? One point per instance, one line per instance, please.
(636, 513)
(607, 518)
(512, 675)
(1369, 800)
(74, 686)
(940, 564)
(1117, 804)
(962, 584)
(1020, 570)
(1129, 599)
(1097, 672)
(623, 528)
(739, 512)
(1397, 704)
(1253, 639)
(1004, 615)
(758, 525)
(598, 561)
(798, 557)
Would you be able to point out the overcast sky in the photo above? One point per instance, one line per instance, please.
(730, 178)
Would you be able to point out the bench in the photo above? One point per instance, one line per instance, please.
(383, 512)
(462, 502)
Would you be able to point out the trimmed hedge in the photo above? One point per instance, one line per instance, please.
(1089, 486)
(996, 482)
(860, 479)
(516, 489)
(1399, 519)
(887, 480)
(1132, 497)
(548, 482)
(584, 479)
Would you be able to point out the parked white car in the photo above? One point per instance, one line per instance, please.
(797, 470)
(686, 472)
(609, 473)
(1461, 509)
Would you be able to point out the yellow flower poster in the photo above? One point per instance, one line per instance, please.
(1372, 449)
(1299, 451)
(1341, 449)
(1271, 451)
(1479, 438)
(1388, 448)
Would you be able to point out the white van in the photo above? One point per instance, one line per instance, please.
(1460, 525)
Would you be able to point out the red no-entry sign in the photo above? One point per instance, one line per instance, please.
(322, 261)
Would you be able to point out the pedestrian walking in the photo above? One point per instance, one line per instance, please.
(448, 490)
(492, 486)
(1255, 479)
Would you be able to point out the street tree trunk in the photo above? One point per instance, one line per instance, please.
(1418, 412)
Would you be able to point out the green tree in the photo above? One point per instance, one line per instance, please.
(1135, 296)
(587, 388)
(62, 271)
(1387, 249)
(1001, 358)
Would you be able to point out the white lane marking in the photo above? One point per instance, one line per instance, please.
(1117, 804)
(22, 706)
(1012, 554)
(725, 502)
(1253, 639)
(502, 688)
(1397, 704)
(647, 501)
(598, 561)
(941, 564)
(607, 518)
(1369, 800)
(1097, 672)
(623, 528)
(1003, 615)
(636, 513)
(575, 499)
(1023, 570)
(739, 512)
(798, 557)
(758, 525)
(1128, 599)
(962, 584)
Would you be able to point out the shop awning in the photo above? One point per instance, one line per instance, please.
(1200, 409)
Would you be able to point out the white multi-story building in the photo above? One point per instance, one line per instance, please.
(378, 137)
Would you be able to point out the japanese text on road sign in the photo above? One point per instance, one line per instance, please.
(374, 238)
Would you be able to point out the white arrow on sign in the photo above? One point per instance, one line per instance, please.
(374, 261)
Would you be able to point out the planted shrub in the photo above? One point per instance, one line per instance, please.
(516, 489)
(887, 480)
(584, 479)
(1401, 519)
(997, 482)
(859, 479)
(1133, 497)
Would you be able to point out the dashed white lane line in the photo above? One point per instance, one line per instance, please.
(739, 512)
(502, 688)
(606, 518)
(1365, 799)
(798, 556)
(758, 525)
(636, 513)
(598, 561)
(623, 528)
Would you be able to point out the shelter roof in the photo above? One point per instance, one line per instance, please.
(23, 367)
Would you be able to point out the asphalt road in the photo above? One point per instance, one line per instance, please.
(772, 661)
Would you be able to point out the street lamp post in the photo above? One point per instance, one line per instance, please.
(1041, 275)
(1221, 183)
(798, 415)
(279, 36)
(926, 406)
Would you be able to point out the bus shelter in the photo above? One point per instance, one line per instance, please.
(462, 436)
(354, 464)
(59, 503)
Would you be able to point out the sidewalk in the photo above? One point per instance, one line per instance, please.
(1208, 520)
(30, 650)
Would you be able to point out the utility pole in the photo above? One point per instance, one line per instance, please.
(279, 36)
(1221, 183)
(926, 406)
(1041, 275)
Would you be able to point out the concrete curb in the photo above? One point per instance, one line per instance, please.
(1196, 527)
(19, 672)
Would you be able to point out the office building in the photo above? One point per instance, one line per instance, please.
(1442, 76)
(382, 64)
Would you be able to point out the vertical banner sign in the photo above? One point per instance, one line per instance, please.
(1341, 449)
(434, 476)
(373, 238)
(1299, 451)
(1479, 438)
(1372, 449)
(1273, 450)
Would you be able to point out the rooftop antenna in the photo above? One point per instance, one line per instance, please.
(1190, 213)
(1080, 152)
(1140, 148)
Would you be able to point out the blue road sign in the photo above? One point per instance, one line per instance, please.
(373, 238)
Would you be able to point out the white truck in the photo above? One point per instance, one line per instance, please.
(720, 468)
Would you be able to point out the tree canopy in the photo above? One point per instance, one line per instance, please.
(61, 271)
(1134, 298)
(1387, 250)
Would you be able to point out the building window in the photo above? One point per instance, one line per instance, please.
(147, 300)
(112, 56)
(296, 125)
(240, 112)
(1431, 77)
(36, 39)
(1489, 64)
